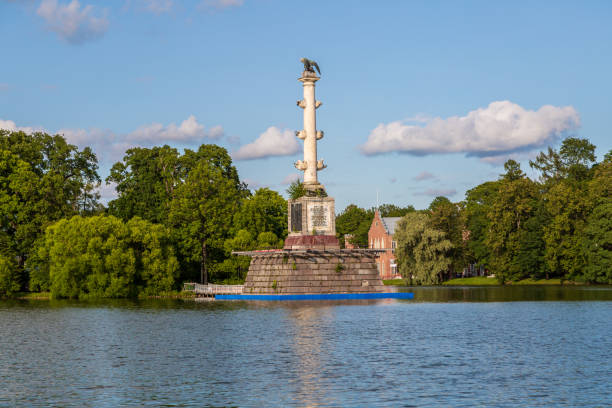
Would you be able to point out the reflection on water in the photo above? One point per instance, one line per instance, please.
(509, 293)
(448, 347)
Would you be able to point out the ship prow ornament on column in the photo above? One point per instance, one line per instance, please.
(312, 218)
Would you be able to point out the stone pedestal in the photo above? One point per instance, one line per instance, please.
(312, 224)
(313, 272)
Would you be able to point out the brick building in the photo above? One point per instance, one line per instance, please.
(380, 236)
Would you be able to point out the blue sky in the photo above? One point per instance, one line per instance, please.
(419, 98)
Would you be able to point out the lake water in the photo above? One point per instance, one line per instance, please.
(503, 347)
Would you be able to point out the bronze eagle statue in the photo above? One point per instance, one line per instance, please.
(309, 65)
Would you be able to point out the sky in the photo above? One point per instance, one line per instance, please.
(420, 99)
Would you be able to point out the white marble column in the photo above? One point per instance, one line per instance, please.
(309, 134)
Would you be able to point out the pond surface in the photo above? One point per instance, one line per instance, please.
(449, 347)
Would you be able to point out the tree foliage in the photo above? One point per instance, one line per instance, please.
(145, 183)
(422, 251)
(103, 257)
(296, 190)
(264, 211)
(355, 221)
(42, 179)
(515, 202)
(200, 215)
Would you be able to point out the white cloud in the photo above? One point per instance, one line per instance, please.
(12, 126)
(74, 24)
(158, 6)
(434, 192)
(219, 4)
(497, 130)
(290, 178)
(110, 147)
(424, 175)
(272, 142)
(188, 131)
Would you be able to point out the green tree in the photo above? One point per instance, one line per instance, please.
(9, 279)
(145, 183)
(355, 221)
(422, 251)
(392, 210)
(200, 214)
(573, 160)
(514, 205)
(596, 243)
(478, 203)
(448, 217)
(42, 179)
(234, 268)
(296, 190)
(264, 211)
(101, 256)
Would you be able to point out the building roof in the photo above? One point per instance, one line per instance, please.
(389, 223)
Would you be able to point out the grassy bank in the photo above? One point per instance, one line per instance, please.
(175, 294)
(484, 281)
(396, 282)
(473, 281)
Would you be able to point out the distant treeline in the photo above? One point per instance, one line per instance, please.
(559, 226)
(178, 217)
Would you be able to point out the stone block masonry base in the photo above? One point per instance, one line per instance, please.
(313, 273)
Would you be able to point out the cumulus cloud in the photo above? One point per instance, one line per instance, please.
(110, 147)
(424, 175)
(12, 126)
(435, 192)
(188, 131)
(499, 129)
(272, 142)
(72, 23)
(290, 178)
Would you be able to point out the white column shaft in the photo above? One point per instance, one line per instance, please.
(310, 127)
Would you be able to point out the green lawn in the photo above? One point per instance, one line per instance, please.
(395, 282)
(484, 281)
(474, 281)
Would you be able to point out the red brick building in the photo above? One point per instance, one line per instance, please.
(380, 236)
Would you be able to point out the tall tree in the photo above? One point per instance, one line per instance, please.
(355, 221)
(201, 213)
(145, 183)
(42, 179)
(448, 217)
(573, 160)
(515, 202)
(596, 243)
(478, 203)
(392, 210)
(264, 211)
(422, 251)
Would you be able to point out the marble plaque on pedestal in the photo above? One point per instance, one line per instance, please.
(308, 215)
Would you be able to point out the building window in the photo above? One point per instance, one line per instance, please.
(393, 244)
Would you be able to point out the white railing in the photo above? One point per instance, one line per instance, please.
(211, 290)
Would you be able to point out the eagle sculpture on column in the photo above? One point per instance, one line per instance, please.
(309, 65)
